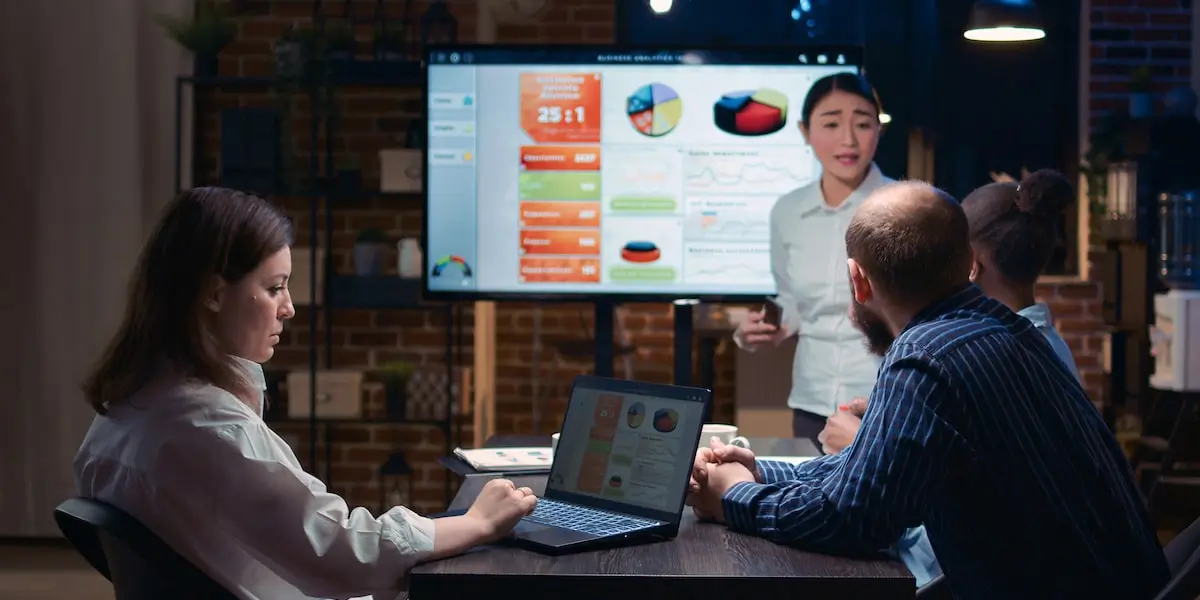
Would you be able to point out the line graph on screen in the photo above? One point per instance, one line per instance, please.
(727, 262)
(728, 218)
(770, 171)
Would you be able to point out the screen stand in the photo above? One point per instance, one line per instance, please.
(604, 334)
(684, 333)
(683, 341)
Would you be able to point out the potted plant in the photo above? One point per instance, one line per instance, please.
(395, 376)
(205, 34)
(339, 41)
(292, 52)
(391, 45)
(1141, 100)
(370, 249)
(1105, 146)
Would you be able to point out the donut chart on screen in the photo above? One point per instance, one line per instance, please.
(654, 109)
(751, 112)
(640, 252)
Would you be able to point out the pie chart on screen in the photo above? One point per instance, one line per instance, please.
(751, 112)
(654, 109)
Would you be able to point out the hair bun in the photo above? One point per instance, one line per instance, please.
(1044, 193)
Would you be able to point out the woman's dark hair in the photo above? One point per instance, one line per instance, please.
(203, 232)
(1016, 224)
(851, 83)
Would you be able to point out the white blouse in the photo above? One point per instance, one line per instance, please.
(808, 259)
(204, 472)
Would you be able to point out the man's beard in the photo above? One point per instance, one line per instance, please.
(878, 337)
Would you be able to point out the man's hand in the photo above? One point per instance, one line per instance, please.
(718, 478)
(707, 459)
(717, 452)
(839, 431)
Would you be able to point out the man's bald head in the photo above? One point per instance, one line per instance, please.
(912, 241)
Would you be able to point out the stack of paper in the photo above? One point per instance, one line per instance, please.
(507, 459)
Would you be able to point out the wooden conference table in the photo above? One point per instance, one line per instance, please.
(706, 561)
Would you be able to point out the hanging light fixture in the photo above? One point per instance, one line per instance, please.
(1004, 21)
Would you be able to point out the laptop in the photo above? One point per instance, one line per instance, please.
(621, 468)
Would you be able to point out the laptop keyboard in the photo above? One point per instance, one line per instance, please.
(587, 520)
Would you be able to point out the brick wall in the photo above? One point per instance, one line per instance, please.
(372, 119)
(1126, 34)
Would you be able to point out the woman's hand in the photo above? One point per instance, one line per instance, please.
(753, 332)
(498, 508)
(842, 427)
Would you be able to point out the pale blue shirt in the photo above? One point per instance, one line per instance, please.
(914, 549)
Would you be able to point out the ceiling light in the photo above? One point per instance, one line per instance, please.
(1004, 21)
(661, 6)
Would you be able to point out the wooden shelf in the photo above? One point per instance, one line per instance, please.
(355, 73)
(378, 292)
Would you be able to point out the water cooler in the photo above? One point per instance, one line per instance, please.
(1175, 333)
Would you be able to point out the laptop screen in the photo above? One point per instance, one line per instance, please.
(626, 448)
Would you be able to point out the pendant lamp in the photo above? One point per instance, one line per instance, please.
(1004, 21)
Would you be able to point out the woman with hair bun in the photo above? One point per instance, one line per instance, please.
(1013, 232)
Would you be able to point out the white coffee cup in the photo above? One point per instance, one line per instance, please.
(553, 443)
(728, 434)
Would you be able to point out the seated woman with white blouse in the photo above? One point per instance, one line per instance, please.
(179, 441)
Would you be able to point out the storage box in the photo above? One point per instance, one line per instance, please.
(339, 394)
(400, 170)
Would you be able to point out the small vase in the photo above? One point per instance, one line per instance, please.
(368, 259)
(290, 59)
(1141, 105)
(409, 262)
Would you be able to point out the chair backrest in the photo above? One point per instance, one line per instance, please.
(1183, 558)
(139, 564)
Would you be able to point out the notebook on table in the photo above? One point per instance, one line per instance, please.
(507, 460)
(621, 469)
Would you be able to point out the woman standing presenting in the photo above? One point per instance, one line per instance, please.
(840, 121)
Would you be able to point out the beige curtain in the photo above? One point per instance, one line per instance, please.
(86, 149)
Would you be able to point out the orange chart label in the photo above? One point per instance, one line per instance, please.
(560, 158)
(560, 241)
(560, 214)
(561, 107)
(560, 270)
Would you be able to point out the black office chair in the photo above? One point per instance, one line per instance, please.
(139, 564)
(1183, 559)
(937, 589)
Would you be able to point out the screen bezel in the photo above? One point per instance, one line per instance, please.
(752, 55)
(701, 396)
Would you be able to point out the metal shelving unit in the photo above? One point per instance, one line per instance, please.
(342, 292)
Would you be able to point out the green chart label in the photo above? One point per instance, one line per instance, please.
(559, 186)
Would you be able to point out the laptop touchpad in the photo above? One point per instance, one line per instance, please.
(547, 534)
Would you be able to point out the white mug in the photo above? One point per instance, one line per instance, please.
(728, 434)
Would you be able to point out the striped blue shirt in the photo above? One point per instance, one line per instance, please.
(976, 429)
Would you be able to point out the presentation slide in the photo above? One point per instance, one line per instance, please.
(582, 172)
